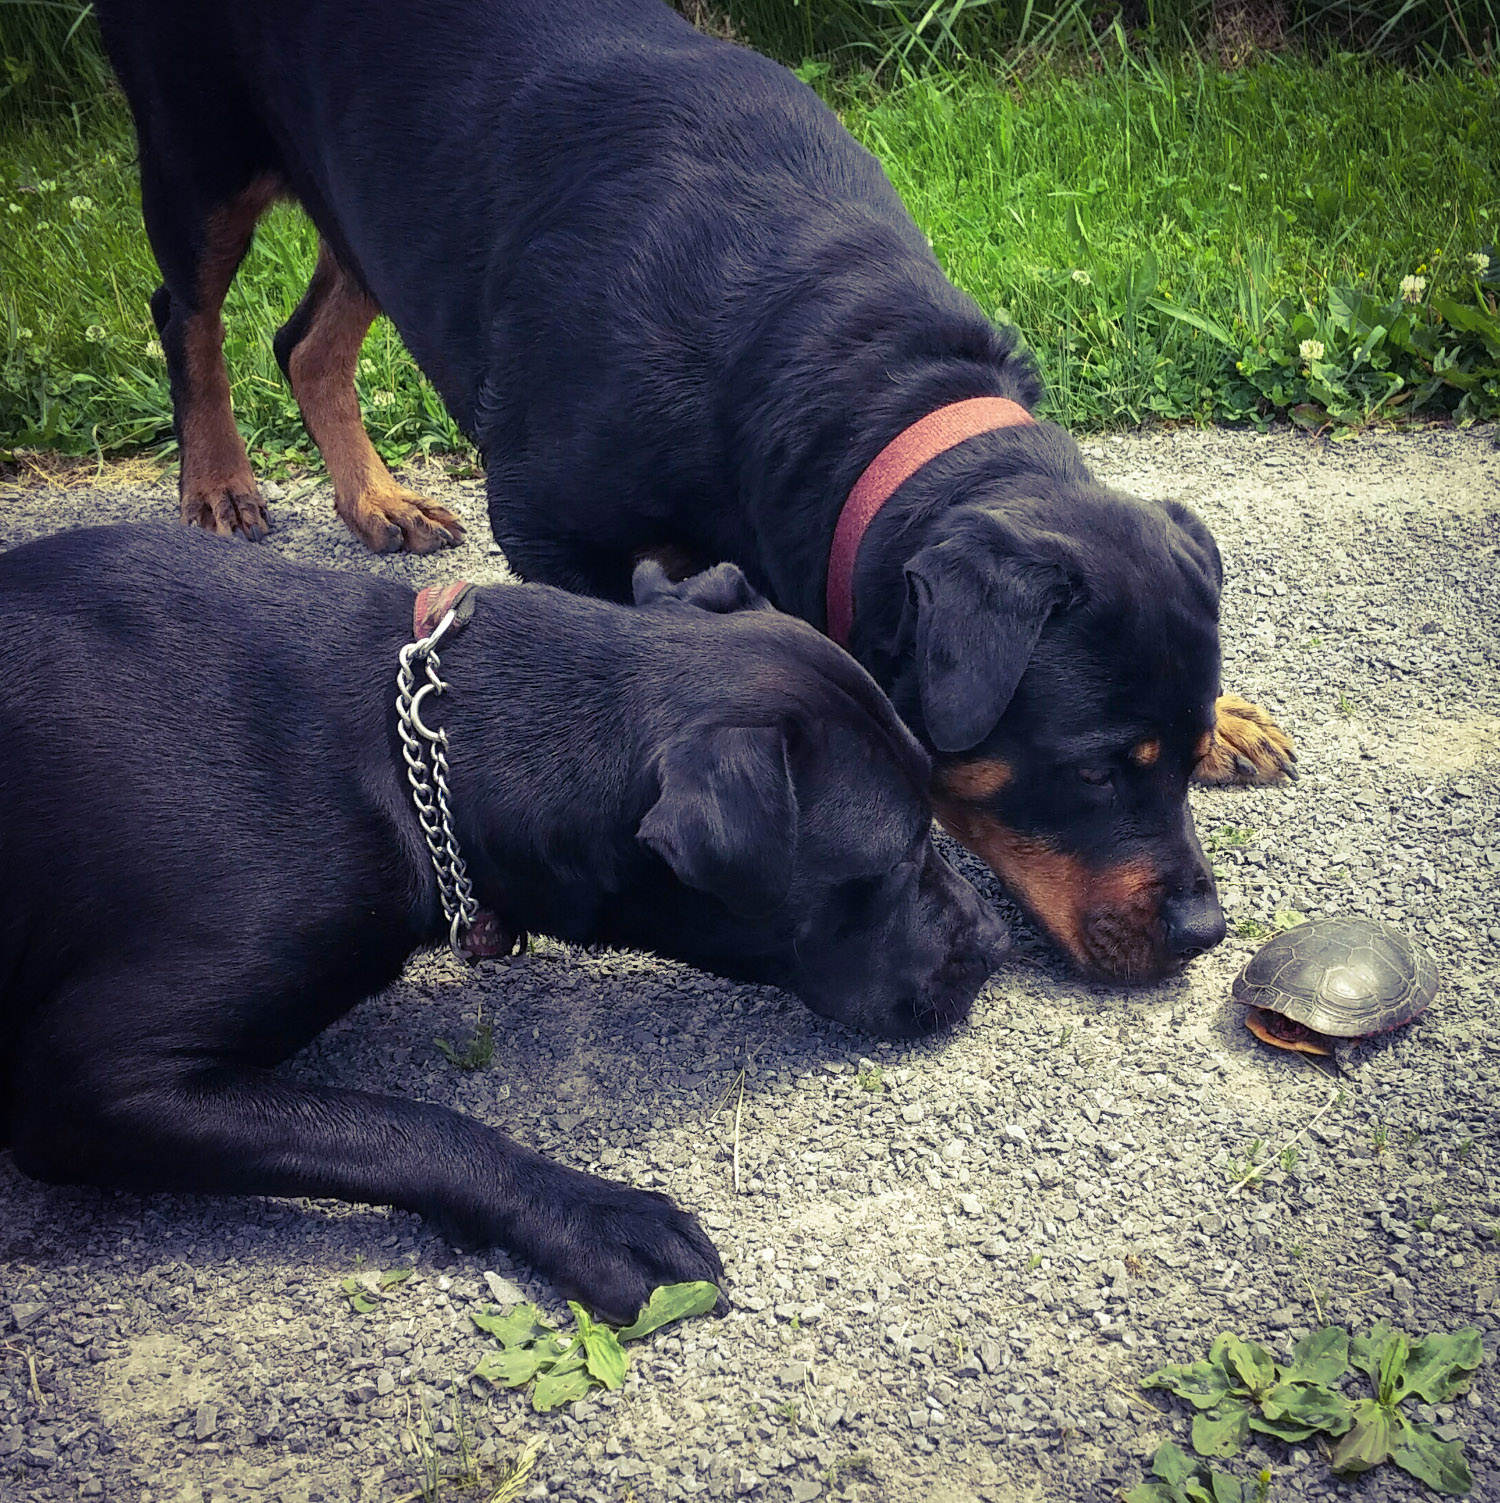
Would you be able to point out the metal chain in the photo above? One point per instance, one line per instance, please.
(425, 752)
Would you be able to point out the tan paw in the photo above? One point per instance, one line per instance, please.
(391, 519)
(227, 509)
(1246, 747)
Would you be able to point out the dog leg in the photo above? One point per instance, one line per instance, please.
(134, 1124)
(199, 247)
(318, 350)
(1245, 747)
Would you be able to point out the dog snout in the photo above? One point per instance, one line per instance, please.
(1192, 920)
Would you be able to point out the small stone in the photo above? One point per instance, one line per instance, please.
(971, 1205)
(793, 1375)
(805, 1489)
(502, 1291)
(953, 1151)
(26, 1315)
(1115, 1405)
(992, 1354)
(206, 1421)
(1015, 1132)
(912, 1112)
(384, 1383)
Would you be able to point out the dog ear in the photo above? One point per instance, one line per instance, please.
(978, 617)
(722, 589)
(726, 820)
(1203, 542)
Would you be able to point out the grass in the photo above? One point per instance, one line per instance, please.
(1176, 240)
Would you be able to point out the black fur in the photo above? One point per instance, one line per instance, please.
(678, 306)
(211, 854)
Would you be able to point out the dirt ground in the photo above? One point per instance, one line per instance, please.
(951, 1263)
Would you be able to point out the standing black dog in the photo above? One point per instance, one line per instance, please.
(684, 313)
(210, 855)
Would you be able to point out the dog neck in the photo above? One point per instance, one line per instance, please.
(897, 462)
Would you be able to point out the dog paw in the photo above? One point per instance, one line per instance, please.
(227, 509)
(1245, 748)
(392, 519)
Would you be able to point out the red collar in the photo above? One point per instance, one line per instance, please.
(890, 469)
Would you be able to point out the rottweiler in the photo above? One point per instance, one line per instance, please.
(210, 855)
(684, 314)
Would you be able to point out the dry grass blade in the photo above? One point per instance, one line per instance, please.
(1256, 1170)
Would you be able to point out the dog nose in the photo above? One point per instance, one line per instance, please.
(1194, 922)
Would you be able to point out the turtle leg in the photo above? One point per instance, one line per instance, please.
(1246, 747)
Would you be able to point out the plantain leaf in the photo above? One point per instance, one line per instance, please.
(1439, 1367)
(522, 1323)
(394, 1276)
(510, 1367)
(1202, 1384)
(1294, 1411)
(603, 1353)
(1320, 1357)
(1252, 1364)
(1438, 1463)
(1222, 1431)
(1368, 1351)
(1368, 1442)
(671, 1302)
(563, 1385)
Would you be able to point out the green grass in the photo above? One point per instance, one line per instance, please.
(1175, 240)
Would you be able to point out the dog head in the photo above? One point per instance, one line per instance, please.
(792, 809)
(1060, 654)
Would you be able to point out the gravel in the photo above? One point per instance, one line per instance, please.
(951, 1262)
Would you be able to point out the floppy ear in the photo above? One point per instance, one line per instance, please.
(1202, 540)
(726, 821)
(979, 615)
(722, 589)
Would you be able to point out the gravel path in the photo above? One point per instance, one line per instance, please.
(948, 1287)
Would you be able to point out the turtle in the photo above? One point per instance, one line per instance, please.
(1336, 978)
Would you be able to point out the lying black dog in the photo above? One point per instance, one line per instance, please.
(211, 854)
(680, 309)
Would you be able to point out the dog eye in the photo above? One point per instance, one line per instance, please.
(1098, 776)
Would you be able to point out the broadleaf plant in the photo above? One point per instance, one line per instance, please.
(1435, 1369)
(1241, 1387)
(1179, 1480)
(567, 1366)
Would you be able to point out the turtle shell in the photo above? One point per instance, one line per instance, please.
(1341, 977)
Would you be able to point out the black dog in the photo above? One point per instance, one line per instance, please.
(211, 854)
(680, 309)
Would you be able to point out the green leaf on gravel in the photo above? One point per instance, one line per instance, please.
(1203, 1384)
(1252, 1364)
(1222, 1431)
(394, 1276)
(1368, 1442)
(671, 1302)
(1439, 1367)
(1438, 1463)
(560, 1386)
(1183, 1481)
(1295, 1410)
(521, 1323)
(510, 1367)
(1320, 1357)
(606, 1358)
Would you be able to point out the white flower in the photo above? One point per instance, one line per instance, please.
(1412, 288)
(382, 398)
(1083, 278)
(80, 203)
(95, 334)
(154, 349)
(1311, 349)
(1480, 262)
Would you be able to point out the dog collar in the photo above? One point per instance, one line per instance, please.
(890, 469)
(474, 933)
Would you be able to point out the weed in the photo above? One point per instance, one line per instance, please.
(788, 1411)
(1249, 1171)
(1345, 705)
(1249, 928)
(1290, 1157)
(1034, 1262)
(1311, 642)
(1465, 1147)
(476, 1054)
(1286, 918)
(1227, 838)
(1380, 1137)
(1064, 1034)
(1297, 1250)
(870, 1079)
(856, 1461)
(466, 1476)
